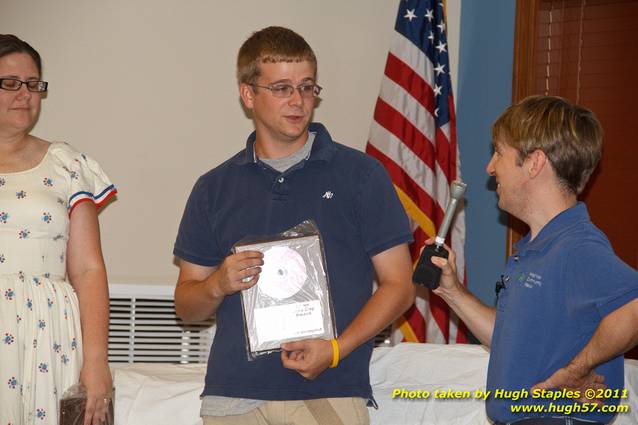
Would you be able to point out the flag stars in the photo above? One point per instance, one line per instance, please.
(430, 15)
(441, 47)
(436, 113)
(437, 89)
(440, 69)
(441, 26)
(410, 15)
(431, 36)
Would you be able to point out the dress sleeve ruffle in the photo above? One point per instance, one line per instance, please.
(87, 180)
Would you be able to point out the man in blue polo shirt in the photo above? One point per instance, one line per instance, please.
(567, 306)
(291, 170)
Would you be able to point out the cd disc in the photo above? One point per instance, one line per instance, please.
(283, 273)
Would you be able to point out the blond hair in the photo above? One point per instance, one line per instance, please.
(271, 45)
(568, 134)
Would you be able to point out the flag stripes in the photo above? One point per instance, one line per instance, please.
(413, 135)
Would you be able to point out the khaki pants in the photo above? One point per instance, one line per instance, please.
(349, 410)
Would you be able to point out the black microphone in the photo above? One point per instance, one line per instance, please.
(426, 273)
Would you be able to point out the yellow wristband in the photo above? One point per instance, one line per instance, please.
(335, 353)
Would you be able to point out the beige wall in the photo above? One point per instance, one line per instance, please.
(147, 88)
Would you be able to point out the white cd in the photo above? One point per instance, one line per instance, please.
(283, 273)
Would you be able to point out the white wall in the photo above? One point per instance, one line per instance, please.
(147, 87)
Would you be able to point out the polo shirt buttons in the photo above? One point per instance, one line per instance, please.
(280, 188)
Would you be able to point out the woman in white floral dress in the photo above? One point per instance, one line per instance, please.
(53, 290)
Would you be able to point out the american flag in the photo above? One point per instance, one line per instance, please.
(413, 134)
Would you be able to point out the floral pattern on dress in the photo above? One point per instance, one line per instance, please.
(9, 294)
(72, 174)
(12, 382)
(35, 298)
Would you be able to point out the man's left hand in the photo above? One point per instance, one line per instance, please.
(309, 357)
(574, 377)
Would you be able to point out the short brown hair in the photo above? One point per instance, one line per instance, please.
(9, 44)
(570, 136)
(271, 45)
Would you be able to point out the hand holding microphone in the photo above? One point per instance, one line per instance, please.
(426, 273)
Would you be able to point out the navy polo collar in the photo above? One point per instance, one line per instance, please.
(552, 230)
(322, 148)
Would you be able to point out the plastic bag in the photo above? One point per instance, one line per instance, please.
(73, 405)
(291, 301)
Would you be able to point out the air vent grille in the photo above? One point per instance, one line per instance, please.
(147, 330)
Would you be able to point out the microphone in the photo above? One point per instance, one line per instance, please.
(426, 273)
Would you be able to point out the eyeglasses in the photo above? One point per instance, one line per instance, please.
(13, 84)
(306, 91)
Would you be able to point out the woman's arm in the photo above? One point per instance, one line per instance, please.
(87, 273)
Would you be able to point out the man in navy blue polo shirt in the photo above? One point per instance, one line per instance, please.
(567, 306)
(291, 170)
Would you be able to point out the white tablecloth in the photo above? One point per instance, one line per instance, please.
(158, 394)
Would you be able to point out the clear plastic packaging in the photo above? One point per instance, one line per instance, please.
(73, 406)
(291, 301)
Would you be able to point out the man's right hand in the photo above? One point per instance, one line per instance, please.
(449, 279)
(479, 317)
(237, 272)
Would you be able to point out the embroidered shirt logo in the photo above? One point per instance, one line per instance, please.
(534, 279)
(530, 280)
(328, 195)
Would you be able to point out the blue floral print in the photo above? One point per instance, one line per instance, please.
(40, 413)
(12, 382)
(9, 294)
(46, 217)
(34, 218)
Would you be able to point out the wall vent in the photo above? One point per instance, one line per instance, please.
(144, 328)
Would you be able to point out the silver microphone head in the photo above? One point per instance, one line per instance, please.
(457, 189)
